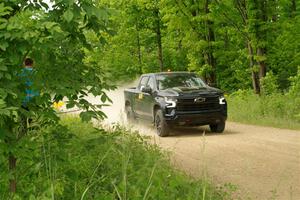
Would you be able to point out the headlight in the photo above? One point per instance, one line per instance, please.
(222, 100)
(171, 102)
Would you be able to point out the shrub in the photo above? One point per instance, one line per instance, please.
(278, 110)
(77, 161)
(269, 84)
(295, 85)
(294, 93)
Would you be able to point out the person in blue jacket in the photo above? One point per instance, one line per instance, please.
(27, 76)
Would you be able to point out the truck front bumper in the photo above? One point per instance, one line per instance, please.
(196, 118)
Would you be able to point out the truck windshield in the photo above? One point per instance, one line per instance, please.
(184, 80)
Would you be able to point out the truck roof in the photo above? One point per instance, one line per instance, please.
(163, 73)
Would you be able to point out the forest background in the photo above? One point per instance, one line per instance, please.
(244, 47)
(248, 48)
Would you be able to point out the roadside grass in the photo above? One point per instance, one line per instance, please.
(77, 161)
(276, 110)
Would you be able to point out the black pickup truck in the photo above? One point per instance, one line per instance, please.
(172, 99)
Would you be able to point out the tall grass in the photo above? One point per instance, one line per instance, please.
(77, 161)
(277, 110)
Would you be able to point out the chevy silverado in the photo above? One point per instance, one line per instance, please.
(171, 99)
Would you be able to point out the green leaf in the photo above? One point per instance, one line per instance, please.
(4, 10)
(2, 103)
(2, 133)
(3, 46)
(49, 25)
(100, 106)
(44, 5)
(87, 116)
(101, 114)
(3, 94)
(103, 98)
(4, 112)
(8, 76)
(3, 23)
(3, 68)
(68, 15)
(100, 13)
(70, 105)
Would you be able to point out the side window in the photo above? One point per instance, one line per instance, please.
(151, 83)
(143, 82)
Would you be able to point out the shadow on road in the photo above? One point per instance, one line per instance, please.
(180, 131)
(197, 131)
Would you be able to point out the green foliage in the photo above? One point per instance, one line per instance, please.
(82, 47)
(295, 85)
(57, 40)
(189, 24)
(228, 39)
(208, 37)
(277, 110)
(269, 84)
(294, 93)
(74, 160)
(284, 50)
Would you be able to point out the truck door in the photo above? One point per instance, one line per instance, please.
(139, 97)
(148, 100)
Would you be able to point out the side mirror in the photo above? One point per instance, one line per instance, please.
(147, 90)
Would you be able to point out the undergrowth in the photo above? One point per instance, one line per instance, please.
(276, 109)
(74, 160)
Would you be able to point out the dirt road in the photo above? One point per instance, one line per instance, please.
(263, 162)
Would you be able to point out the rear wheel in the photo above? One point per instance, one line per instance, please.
(218, 127)
(162, 128)
(129, 114)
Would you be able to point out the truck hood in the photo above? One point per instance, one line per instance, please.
(190, 92)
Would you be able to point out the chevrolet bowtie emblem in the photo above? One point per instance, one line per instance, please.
(199, 100)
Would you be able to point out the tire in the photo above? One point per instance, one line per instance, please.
(217, 128)
(162, 128)
(129, 114)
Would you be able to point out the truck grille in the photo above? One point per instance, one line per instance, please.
(188, 105)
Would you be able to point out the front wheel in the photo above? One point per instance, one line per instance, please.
(218, 127)
(162, 128)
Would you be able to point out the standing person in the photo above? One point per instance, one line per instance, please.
(27, 75)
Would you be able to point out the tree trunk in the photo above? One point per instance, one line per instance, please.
(275, 11)
(210, 37)
(255, 75)
(226, 40)
(293, 8)
(12, 161)
(262, 64)
(211, 60)
(261, 50)
(158, 37)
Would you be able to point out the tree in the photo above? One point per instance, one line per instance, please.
(154, 24)
(57, 40)
(193, 20)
